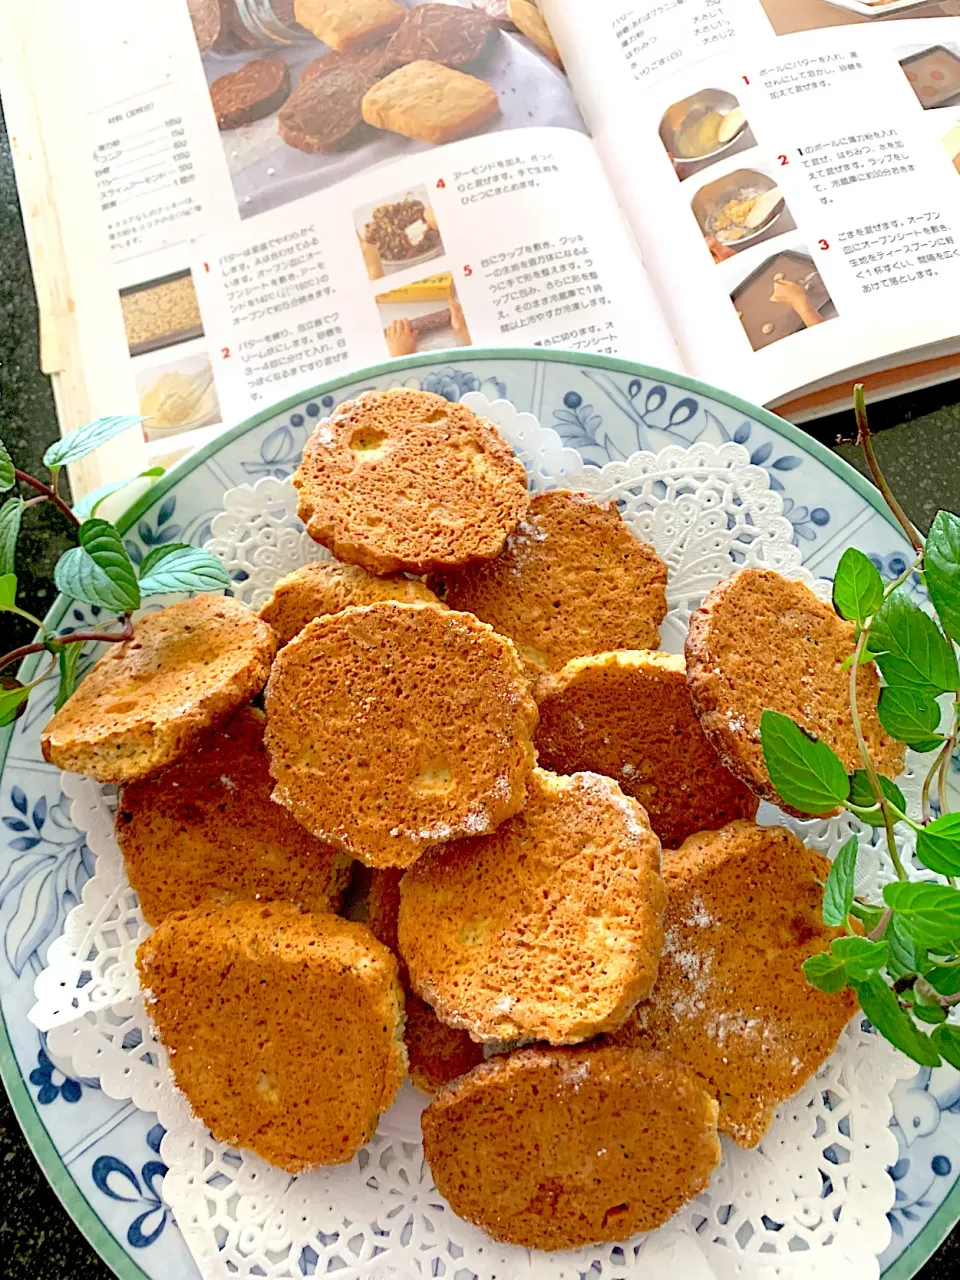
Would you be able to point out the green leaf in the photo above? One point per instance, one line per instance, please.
(910, 717)
(177, 567)
(926, 1004)
(805, 772)
(77, 444)
(904, 955)
(68, 657)
(99, 571)
(938, 845)
(930, 912)
(910, 649)
(7, 477)
(825, 972)
(10, 515)
(87, 506)
(860, 956)
(868, 915)
(946, 1041)
(838, 891)
(882, 1007)
(857, 587)
(944, 978)
(10, 699)
(8, 590)
(941, 566)
(861, 795)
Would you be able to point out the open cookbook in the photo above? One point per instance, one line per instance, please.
(228, 201)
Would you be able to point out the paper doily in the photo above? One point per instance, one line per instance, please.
(810, 1201)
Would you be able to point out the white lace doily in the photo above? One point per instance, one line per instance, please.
(809, 1202)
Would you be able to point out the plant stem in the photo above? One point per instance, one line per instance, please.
(925, 815)
(15, 655)
(878, 792)
(876, 934)
(15, 608)
(48, 494)
(865, 441)
(898, 582)
(117, 637)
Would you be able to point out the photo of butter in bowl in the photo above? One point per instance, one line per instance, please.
(701, 129)
(742, 208)
(177, 397)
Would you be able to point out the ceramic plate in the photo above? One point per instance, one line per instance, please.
(101, 1156)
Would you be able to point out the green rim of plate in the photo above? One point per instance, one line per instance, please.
(56, 1172)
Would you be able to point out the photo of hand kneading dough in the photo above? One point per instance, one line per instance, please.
(783, 296)
(743, 208)
(706, 127)
(398, 232)
(933, 74)
(423, 316)
(308, 92)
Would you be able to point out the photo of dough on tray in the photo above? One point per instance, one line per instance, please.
(398, 232)
(423, 316)
(783, 296)
(933, 74)
(706, 127)
(743, 208)
(308, 92)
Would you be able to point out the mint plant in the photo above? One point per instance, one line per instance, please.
(98, 571)
(902, 955)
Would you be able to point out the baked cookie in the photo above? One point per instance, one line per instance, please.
(527, 16)
(557, 1148)
(369, 62)
(571, 580)
(406, 480)
(205, 830)
(145, 702)
(283, 1027)
(761, 640)
(430, 102)
(549, 929)
(323, 113)
(443, 33)
(743, 913)
(629, 715)
(346, 25)
(394, 726)
(325, 586)
(258, 88)
(497, 11)
(206, 19)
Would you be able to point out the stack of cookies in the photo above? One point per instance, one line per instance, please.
(480, 830)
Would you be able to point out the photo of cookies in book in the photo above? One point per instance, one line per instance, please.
(743, 208)
(703, 128)
(782, 296)
(423, 316)
(307, 92)
(398, 232)
(933, 74)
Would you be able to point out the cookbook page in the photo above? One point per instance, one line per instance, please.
(797, 197)
(280, 191)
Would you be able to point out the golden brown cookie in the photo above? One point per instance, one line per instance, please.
(556, 1148)
(393, 727)
(430, 102)
(283, 1027)
(761, 640)
(743, 913)
(205, 830)
(571, 580)
(527, 16)
(145, 702)
(549, 929)
(346, 25)
(406, 480)
(327, 587)
(629, 715)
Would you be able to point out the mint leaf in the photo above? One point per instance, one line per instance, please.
(938, 845)
(910, 649)
(929, 912)
(77, 444)
(941, 568)
(904, 956)
(926, 1005)
(838, 891)
(805, 772)
(10, 515)
(8, 590)
(177, 567)
(882, 1007)
(7, 477)
(944, 978)
(10, 700)
(860, 956)
(946, 1041)
(868, 915)
(910, 717)
(99, 571)
(87, 506)
(67, 658)
(861, 795)
(857, 587)
(825, 972)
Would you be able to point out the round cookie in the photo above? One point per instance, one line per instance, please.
(628, 715)
(186, 668)
(325, 586)
(283, 1027)
(405, 479)
(572, 580)
(392, 727)
(205, 830)
(558, 1148)
(761, 640)
(549, 929)
(743, 913)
